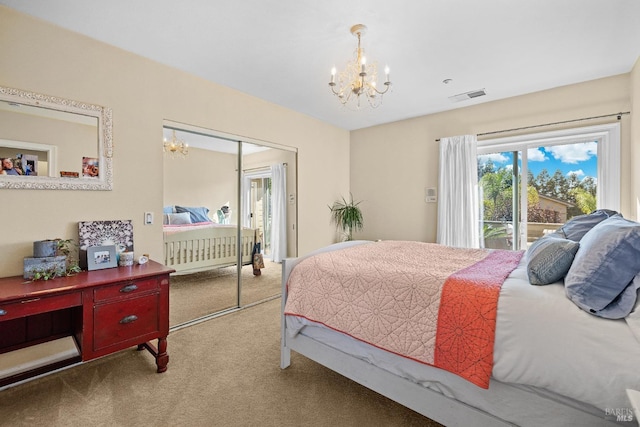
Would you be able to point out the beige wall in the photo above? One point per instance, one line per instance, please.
(203, 178)
(392, 164)
(39, 57)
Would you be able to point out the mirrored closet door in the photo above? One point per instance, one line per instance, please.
(227, 204)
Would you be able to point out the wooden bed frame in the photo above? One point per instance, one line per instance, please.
(432, 404)
(191, 251)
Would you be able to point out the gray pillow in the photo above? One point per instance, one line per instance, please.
(198, 214)
(549, 258)
(578, 226)
(177, 218)
(604, 266)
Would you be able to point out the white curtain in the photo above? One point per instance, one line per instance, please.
(279, 212)
(246, 201)
(458, 209)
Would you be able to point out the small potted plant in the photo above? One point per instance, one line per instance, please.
(347, 217)
(69, 248)
(52, 248)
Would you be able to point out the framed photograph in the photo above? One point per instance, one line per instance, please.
(90, 167)
(100, 257)
(29, 164)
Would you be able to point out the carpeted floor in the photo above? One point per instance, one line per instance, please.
(199, 294)
(222, 372)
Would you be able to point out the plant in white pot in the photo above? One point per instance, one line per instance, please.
(347, 217)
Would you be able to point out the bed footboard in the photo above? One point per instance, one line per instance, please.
(198, 250)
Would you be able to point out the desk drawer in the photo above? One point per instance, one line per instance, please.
(125, 320)
(124, 289)
(36, 305)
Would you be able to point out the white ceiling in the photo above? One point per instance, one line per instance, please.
(282, 50)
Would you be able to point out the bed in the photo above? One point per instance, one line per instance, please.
(554, 362)
(193, 247)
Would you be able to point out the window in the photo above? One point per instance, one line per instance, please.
(567, 172)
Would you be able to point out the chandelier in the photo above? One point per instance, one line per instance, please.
(175, 147)
(359, 78)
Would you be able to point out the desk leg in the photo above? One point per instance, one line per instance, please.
(160, 354)
(162, 359)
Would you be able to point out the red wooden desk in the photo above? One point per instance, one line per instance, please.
(103, 310)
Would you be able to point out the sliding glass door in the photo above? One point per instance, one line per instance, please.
(530, 188)
(498, 179)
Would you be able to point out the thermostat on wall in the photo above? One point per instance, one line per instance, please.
(430, 195)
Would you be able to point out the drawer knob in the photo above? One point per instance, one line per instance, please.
(129, 288)
(129, 319)
(3, 312)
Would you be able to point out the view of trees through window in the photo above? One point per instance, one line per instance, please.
(561, 183)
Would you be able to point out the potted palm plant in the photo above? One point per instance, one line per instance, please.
(347, 216)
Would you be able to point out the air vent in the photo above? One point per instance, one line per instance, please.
(467, 95)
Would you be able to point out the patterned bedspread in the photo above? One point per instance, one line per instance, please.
(427, 302)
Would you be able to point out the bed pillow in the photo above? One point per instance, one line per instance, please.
(549, 258)
(177, 218)
(198, 214)
(578, 226)
(633, 319)
(604, 267)
(168, 209)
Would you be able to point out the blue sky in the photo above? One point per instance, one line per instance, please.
(580, 159)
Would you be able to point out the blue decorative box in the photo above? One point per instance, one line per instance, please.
(53, 263)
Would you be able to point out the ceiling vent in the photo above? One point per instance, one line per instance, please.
(467, 95)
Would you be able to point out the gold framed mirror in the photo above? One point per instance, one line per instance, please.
(52, 143)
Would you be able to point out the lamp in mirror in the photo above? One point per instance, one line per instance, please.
(175, 147)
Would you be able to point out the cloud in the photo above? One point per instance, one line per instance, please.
(536, 155)
(494, 157)
(573, 153)
(578, 173)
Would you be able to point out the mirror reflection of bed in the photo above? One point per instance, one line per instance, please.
(202, 218)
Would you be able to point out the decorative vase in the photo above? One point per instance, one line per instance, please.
(45, 248)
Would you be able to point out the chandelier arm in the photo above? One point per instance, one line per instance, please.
(382, 92)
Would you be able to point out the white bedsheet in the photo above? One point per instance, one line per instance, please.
(544, 343)
(545, 340)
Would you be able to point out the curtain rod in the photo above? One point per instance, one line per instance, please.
(260, 168)
(619, 116)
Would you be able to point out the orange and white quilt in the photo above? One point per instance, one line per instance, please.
(427, 302)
